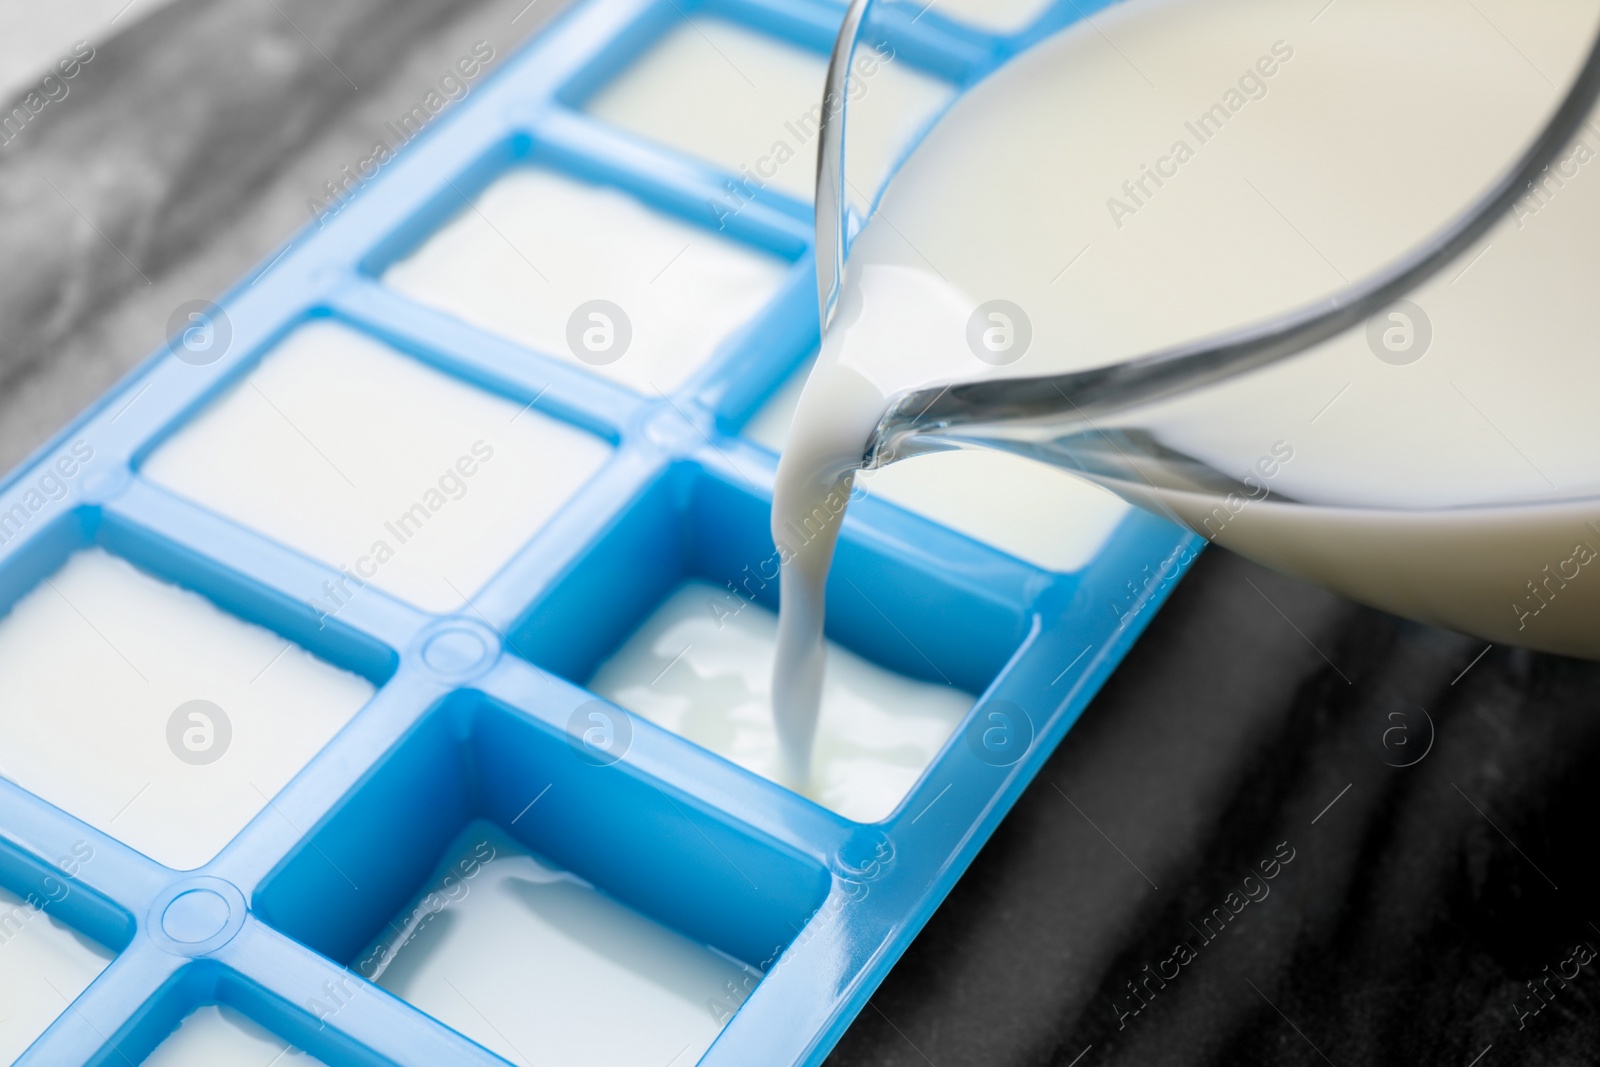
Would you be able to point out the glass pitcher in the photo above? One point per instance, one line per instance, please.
(1320, 282)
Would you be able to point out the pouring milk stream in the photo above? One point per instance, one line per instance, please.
(1175, 170)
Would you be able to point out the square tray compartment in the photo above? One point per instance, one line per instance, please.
(915, 622)
(587, 272)
(375, 886)
(393, 473)
(148, 711)
(747, 101)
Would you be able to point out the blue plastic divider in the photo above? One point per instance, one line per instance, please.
(732, 860)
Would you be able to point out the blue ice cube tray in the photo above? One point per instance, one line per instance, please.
(472, 715)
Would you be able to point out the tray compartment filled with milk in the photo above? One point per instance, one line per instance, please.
(388, 659)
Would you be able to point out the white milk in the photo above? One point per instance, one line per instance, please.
(215, 1036)
(750, 104)
(95, 663)
(1076, 184)
(1001, 16)
(701, 666)
(36, 954)
(1027, 509)
(535, 964)
(534, 246)
(394, 473)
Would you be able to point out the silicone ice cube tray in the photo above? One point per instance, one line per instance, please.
(476, 713)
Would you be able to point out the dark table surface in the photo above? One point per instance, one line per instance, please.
(1436, 805)
(1422, 805)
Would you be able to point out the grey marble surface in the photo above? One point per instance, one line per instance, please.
(187, 151)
